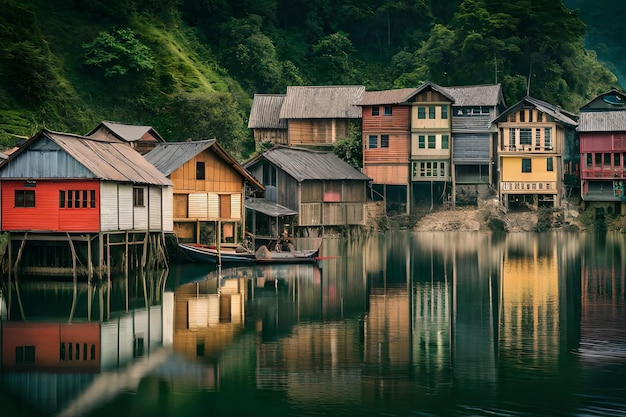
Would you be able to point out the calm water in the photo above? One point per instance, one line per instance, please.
(402, 324)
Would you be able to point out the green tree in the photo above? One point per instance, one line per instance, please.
(118, 53)
(350, 149)
(333, 61)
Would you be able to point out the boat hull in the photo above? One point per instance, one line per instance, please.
(205, 254)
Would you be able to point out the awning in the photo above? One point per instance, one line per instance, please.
(268, 207)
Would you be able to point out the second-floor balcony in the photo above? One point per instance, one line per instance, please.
(603, 172)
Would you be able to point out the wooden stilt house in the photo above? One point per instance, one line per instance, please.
(78, 205)
(209, 190)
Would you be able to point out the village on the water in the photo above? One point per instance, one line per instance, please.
(113, 198)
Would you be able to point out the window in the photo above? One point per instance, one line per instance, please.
(522, 116)
(24, 198)
(421, 112)
(138, 197)
(25, 354)
(547, 137)
(431, 142)
(422, 142)
(431, 112)
(526, 165)
(384, 141)
(77, 198)
(429, 169)
(372, 142)
(444, 112)
(616, 160)
(537, 138)
(526, 137)
(597, 159)
(444, 141)
(589, 160)
(387, 111)
(540, 117)
(199, 170)
(375, 111)
(550, 164)
(512, 138)
(607, 159)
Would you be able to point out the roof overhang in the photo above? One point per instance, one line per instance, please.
(268, 207)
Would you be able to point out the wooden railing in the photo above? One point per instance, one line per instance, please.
(331, 214)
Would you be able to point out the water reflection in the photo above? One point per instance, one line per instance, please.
(396, 324)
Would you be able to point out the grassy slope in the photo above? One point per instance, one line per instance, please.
(181, 59)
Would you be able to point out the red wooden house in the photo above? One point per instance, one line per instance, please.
(602, 130)
(386, 129)
(59, 187)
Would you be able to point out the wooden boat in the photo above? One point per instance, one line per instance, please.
(237, 254)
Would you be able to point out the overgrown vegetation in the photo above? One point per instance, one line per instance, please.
(190, 68)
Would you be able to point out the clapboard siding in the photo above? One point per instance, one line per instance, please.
(317, 131)
(471, 147)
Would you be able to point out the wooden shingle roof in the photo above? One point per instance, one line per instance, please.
(265, 112)
(396, 96)
(305, 164)
(322, 102)
(476, 95)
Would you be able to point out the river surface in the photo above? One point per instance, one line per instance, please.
(398, 324)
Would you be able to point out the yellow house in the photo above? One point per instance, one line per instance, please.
(536, 150)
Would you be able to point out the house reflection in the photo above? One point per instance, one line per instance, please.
(60, 340)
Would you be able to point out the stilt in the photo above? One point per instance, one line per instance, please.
(69, 238)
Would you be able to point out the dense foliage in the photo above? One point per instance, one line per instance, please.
(190, 67)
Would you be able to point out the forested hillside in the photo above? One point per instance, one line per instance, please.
(190, 67)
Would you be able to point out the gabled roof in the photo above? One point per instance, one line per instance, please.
(322, 102)
(265, 112)
(559, 114)
(428, 85)
(476, 95)
(168, 157)
(128, 133)
(396, 96)
(608, 101)
(305, 164)
(105, 159)
(606, 121)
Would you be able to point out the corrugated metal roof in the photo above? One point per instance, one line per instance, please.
(265, 112)
(305, 164)
(397, 96)
(606, 121)
(128, 133)
(168, 157)
(476, 95)
(557, 113)
(322, 102)
(268, 207)
(106, 160)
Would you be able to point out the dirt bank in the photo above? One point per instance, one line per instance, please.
(473, 219)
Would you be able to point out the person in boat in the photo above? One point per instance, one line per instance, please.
(285, 243)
